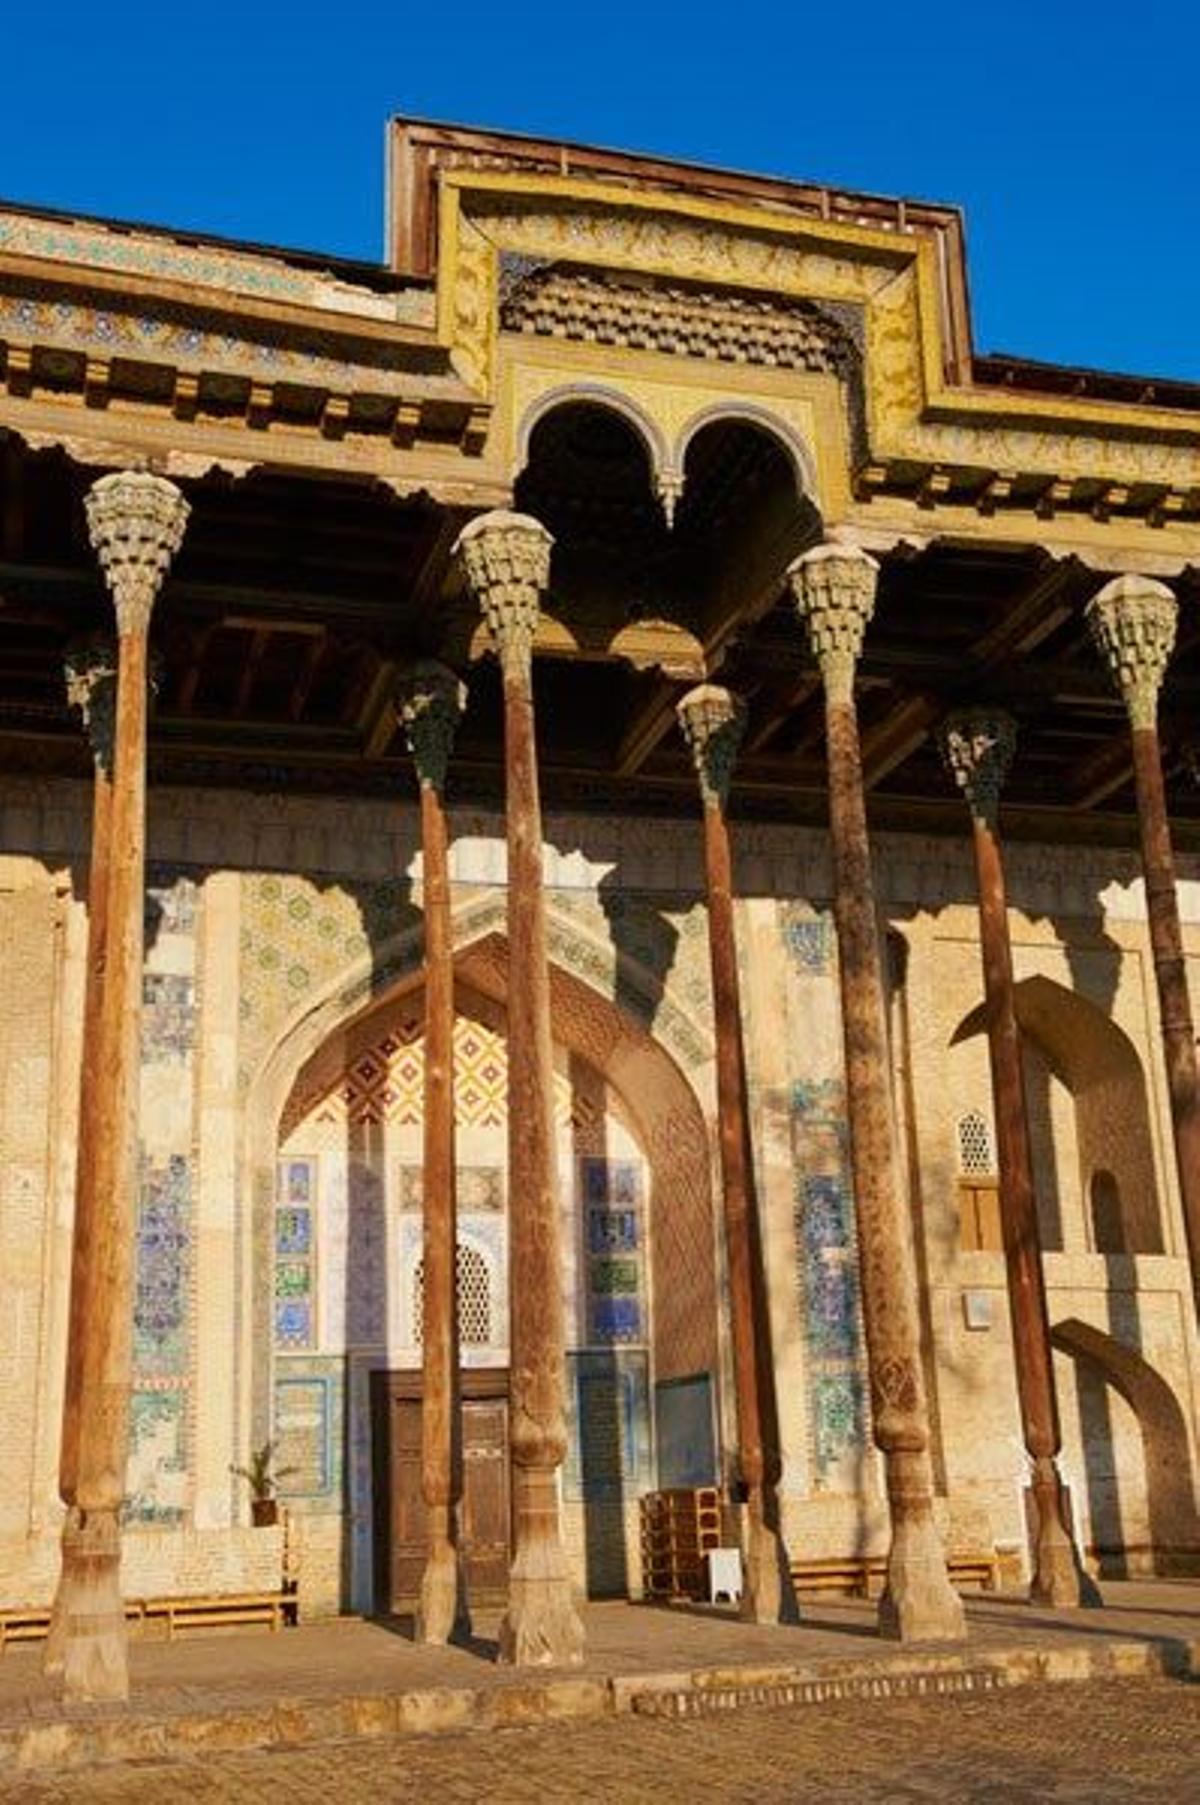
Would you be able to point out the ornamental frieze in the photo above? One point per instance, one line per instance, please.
(914, 414)
(679, 319)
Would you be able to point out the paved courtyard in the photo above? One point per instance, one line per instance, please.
(1097, 1744)
(686, 1703)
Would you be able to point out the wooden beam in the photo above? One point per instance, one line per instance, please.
(795, 697)
(302, 687)
(258, 645)
(890, 741)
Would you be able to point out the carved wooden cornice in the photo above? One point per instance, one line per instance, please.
(681, 319)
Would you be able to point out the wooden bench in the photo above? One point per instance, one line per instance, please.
(863, 1575)
(150, 1616)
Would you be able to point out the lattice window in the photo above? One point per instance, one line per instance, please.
(473, 1283)
(976, 1154)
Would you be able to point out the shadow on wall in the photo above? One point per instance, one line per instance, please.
(1174, 1524)
(1074, 1041)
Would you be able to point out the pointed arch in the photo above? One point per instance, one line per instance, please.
(648, 1047)
(1097, 1063)
(1170, 1493)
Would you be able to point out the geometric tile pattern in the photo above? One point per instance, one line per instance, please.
(294, 1299)
(385, 1084)
(611, 1199)
(825, 1244)
(808, 937)
(163, 1264)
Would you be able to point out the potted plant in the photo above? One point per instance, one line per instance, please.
(264, 1506)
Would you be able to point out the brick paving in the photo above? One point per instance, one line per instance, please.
(226, 1716)
(227, 1670)
(1108, 1743)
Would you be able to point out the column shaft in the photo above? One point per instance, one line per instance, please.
(1170, 971)
(1056, 1576)
(537, 1333)
(918, 1601)
(443, 1594)
(506, 558)
(712, 721)
(93, 1652)
(136, 523)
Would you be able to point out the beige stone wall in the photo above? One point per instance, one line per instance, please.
(283, 916)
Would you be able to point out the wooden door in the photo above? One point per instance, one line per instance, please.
(486, 1507)
(486, 1513)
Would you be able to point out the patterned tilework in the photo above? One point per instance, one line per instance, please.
(158, 1464)
(808, 936)
(825, 1243)
(608, 1425)
(611, 1200)
(649, 952)
(295, 1291)
(160, 1434)
(298, 935)
(385, 1085)
(160, 1309)
(168, 1016)
(308, 1430)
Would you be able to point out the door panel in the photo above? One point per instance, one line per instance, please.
(486, 1514)
(486, 1506)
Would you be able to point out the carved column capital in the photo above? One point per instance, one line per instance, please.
(977, 747)
(505, 558)
(1133, 620)
(713, 722)
(135, 522)
(430, 700)
(834, 587)
(90, 673)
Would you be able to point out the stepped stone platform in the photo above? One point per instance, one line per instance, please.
(350, 1677)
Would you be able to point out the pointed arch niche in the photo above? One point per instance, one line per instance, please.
(1089, 1119)
(335, 1125)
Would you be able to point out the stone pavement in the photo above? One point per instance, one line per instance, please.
(1122, 1742)
(321, 1684)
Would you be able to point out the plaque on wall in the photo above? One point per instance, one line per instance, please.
(685, 1431)
(608, 1425)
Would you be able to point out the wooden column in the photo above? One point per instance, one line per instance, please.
(1133, 624)
(713, 721)
(506, 560)
(834, 588)
(430, 700)
(977, 746)
(91, 678)
(136, 524)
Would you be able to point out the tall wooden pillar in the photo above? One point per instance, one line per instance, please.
(713, 722)
(834, 588)
(136, 523)
(91, 678)
(1133, 624)
(977, 746)
(429, 701)
(506, 559)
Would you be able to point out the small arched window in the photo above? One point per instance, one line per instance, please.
(978, 1188)
(976, 1153)
(473, 1286)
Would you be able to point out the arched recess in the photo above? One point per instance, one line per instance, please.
(1170, 1501)
(1071, 1042)
(595, 395)
(763, 420)
(653, 1073)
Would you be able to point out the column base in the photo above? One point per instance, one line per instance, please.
(442, 1613)
(90, 1639)
(768, 1595)
(1059, 1580)
(541, 1627)
(919, 1604)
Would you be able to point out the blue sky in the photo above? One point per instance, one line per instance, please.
(1068, 132)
